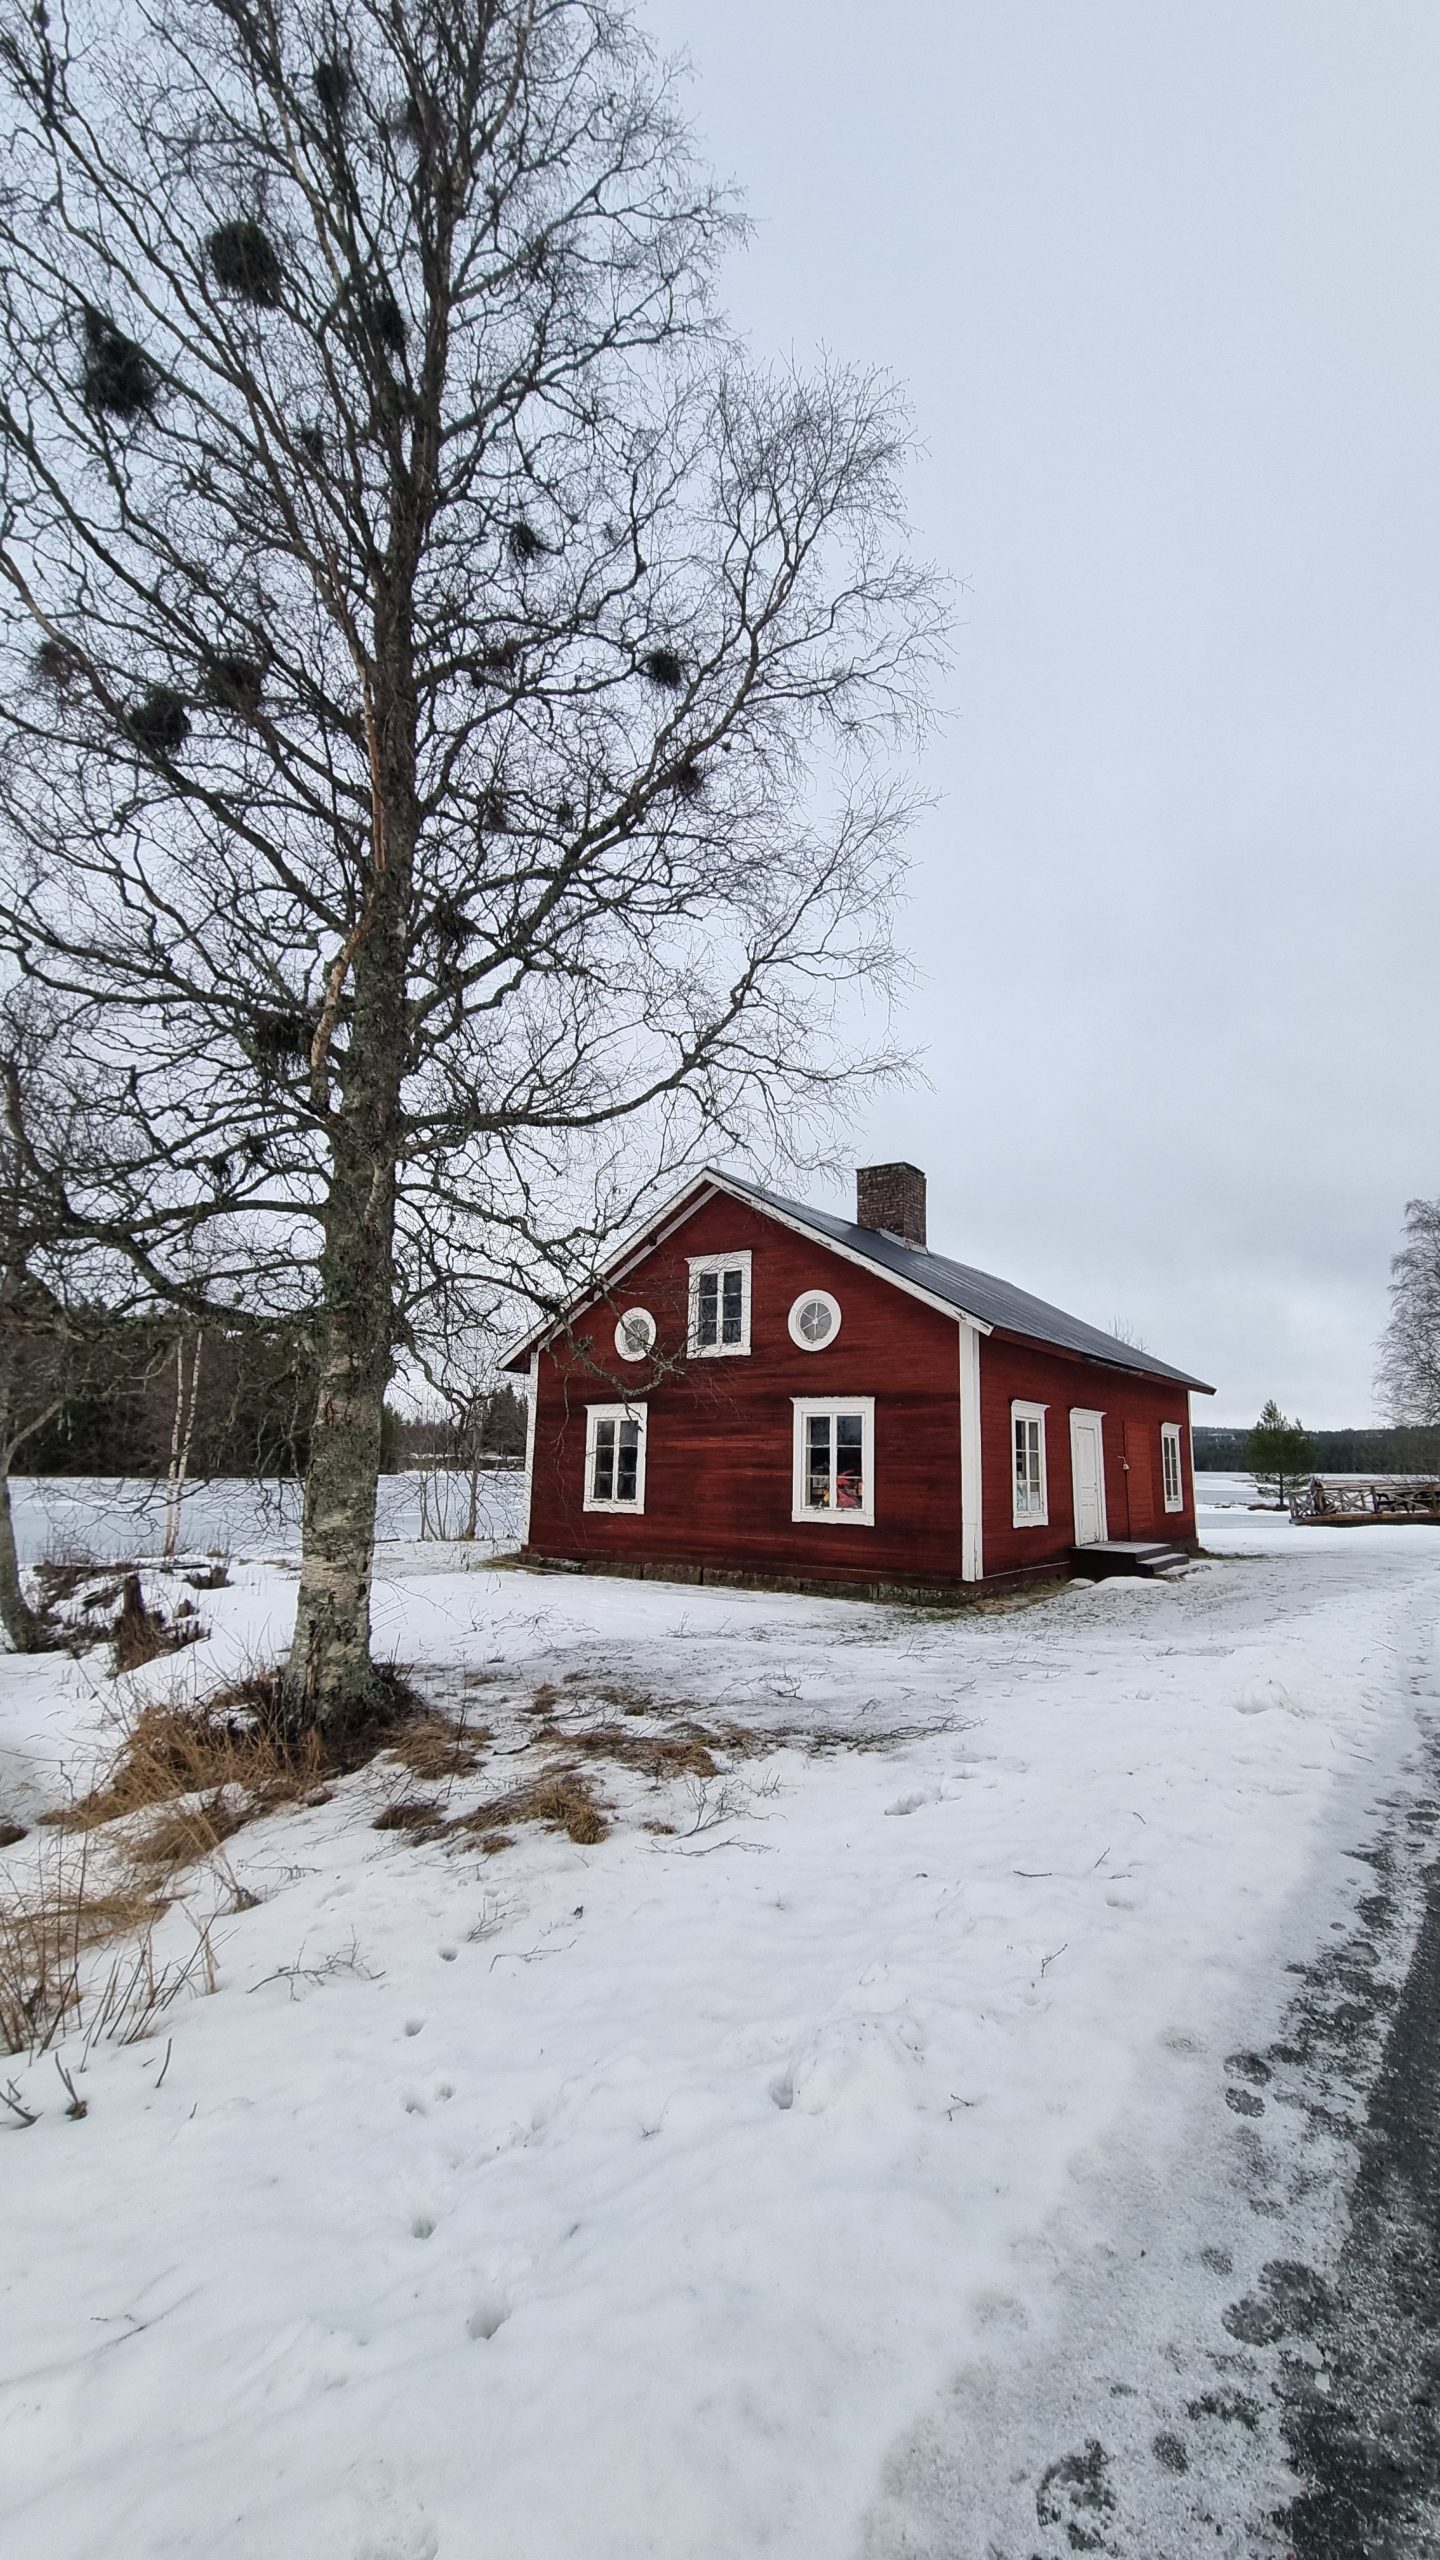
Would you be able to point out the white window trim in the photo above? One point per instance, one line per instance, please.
(807, 1298)
(633, 1315)
(701, 1262)
(804, 1407)
(1023, 1412)
(1171, 1437)
(596, 1414)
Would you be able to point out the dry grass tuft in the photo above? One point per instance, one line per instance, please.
(46, 1937)
(687, 1754)
(433, 1748)
(189, 1830)
(10, 1832)
(561, 1800)
(202, 1750)
(411, 1813)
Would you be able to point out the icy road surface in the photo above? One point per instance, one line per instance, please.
(882, 2161)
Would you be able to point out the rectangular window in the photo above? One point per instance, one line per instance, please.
(615, 1457)
(719, 1304)
(1171, 1466)
(1027, 1442)
(835, 1460)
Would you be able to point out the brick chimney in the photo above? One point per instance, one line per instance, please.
(892, 1196)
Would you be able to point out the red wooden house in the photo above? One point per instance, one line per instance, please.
(763, 1391)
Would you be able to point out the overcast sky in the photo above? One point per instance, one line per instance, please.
(1163, 285)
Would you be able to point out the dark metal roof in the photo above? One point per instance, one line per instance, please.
(973, 1293)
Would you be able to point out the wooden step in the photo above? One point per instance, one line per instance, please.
(1151, 1557)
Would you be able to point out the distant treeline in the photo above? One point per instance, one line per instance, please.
(246, 1413)
(1377, 1452)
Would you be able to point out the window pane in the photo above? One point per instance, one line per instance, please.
(734, 1305)
(628, 1461)
(849, 1462)
(707, 1308)
(603, 1488)
(817, 1462)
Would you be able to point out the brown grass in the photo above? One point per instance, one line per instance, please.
(201, 1750)
(688, 1754)
(185, 1831)
(45, 1937)
(433, 1748)
(562, 1800)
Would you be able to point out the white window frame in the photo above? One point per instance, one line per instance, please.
(1020, 1411)
(635, 1315)
(806, 1406)
(700, 1263)
(808, 1298)
(595, 1414)
(1172, 1450)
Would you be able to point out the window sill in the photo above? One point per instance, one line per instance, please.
(718, 1351)
(627, 1510)
(1031, 1520)
(836, 1519)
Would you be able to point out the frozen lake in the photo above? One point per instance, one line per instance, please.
(100, 1519)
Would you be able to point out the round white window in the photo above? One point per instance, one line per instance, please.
(635, 1334)
(814, 1320)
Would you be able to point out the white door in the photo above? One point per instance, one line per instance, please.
(1087, 1476)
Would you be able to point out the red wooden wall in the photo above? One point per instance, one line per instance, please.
(1134, 1408)
(720, 1440)
(719, 1457)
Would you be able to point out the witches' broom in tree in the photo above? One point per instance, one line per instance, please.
(445, 686)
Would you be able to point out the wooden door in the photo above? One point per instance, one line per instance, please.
(1087, 1476)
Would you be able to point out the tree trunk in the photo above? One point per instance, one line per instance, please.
(330, 1681)
(21, 1625)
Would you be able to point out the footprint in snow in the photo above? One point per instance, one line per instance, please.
(487, 2317)
(413, 2026)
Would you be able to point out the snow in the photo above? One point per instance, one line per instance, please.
(789, 2181)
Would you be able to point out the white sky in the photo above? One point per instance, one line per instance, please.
(1163, 285)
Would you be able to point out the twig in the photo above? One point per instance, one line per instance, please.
(11, 2098)
(165, 2065)
(1046, 1961)
(78, 2106)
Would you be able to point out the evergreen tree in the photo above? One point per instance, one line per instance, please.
(1279, 1452)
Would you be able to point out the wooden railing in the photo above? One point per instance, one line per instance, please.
(1387, 1500)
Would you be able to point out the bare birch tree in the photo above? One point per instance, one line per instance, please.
(1407, 1380)
(449, 695)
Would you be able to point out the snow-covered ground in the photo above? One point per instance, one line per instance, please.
(850, 2168)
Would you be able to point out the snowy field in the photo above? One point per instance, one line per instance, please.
(862, 2167)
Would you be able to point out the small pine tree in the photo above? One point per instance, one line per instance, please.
(1278, 1453)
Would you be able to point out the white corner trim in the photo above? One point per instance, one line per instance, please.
(864, 1516)
(531, 1419)
(699, 1263)
(972, 1482)
(595, 1414)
